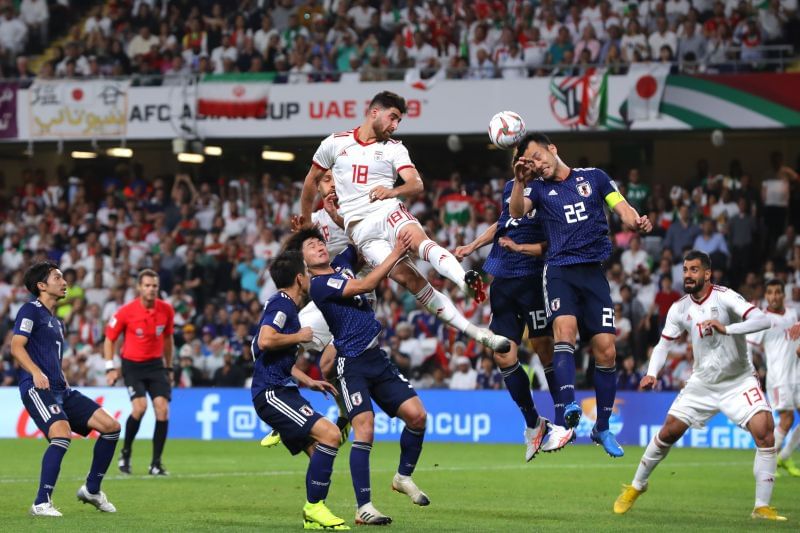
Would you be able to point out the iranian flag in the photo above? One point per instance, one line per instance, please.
(646, 82)
(237, 99)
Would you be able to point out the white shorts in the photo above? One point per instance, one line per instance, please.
(784, 396)
(375, 235)
(739, 401)
(311, 316)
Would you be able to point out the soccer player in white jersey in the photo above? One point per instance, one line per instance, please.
(779, 345)
(365, 163)
(723, 379)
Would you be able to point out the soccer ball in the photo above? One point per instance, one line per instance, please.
(506, 129)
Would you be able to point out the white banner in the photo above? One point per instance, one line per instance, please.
(75, 109)
(316, 110)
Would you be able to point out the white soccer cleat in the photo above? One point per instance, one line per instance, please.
(557, 437)
(534, 438)
(99, 500)
(497, 343)
(406, 485)
(45, 509)
(367, 515)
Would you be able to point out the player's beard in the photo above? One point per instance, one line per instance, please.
(696, 289)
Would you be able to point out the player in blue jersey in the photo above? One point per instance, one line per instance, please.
(276, 397)
(365, 372)
(571, 204)
(57, 409)
(516, 300)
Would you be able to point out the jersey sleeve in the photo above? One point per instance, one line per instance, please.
(608, 189)
(347, 258)
(23, 325)
(736, 303)
(327, 288)
(116, 325)
(401, 158)
(169, 328)
(672, 326)
(531, 193)
(326, 154)
(277, 315)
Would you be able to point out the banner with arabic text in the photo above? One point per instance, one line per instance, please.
(8, 110)
(73, 109)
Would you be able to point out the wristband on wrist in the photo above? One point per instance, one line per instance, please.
(109, 365)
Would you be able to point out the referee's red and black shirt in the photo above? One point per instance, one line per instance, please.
(144, 329)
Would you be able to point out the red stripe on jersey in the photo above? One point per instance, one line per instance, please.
(315, 164)
(355, 136)
(744, 316)
(405, 167)
(669, 338)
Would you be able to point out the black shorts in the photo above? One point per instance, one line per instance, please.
(516, 303)
(287, 412)
(47, 407)
(148, 377)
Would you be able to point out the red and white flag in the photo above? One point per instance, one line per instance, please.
(232, 100)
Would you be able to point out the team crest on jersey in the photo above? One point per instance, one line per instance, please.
(335, 283)
(378, 156)
(555, 305)
(580, 178)
(715, 312)
(584, 189)
(55, 408)
(306, 410)
(356, 398)
(525, 191)
(159, 330)
(26, 325)
(139, 332)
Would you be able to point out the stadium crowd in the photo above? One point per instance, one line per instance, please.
(211, 241)
(298, 41)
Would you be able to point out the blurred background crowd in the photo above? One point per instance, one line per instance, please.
(211, 239)
(299, 41)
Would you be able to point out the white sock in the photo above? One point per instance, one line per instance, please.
(764, 471)
(779, 434)
(789, 445)
(443, 261)
(440, 305)
(655, 453)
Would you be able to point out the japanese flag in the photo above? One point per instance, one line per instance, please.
(646, 83)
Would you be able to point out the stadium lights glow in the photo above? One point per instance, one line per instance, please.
(186, 157)
(77, 154)
(272, 155)
(213, 150)
(119, 151)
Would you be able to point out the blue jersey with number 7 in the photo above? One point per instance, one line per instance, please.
(573, 214)
(45, 336)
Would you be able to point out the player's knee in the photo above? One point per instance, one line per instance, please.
(505, 360)
(330, 436)
(418, 420)
(112, 427)
(59, 430)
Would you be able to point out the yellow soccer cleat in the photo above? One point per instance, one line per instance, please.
(790, 467)
(767, 512)
(625, 501)
(318, 516)
(273, 439)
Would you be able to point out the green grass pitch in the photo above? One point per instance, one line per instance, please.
(238, 486)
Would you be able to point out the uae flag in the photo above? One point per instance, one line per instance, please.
(646, 82)
(232, 99)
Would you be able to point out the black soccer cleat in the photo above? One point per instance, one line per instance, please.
(157, 469)
(124, 462)
(477, 289)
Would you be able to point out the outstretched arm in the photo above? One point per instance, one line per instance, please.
(480, 241)
(309, 193)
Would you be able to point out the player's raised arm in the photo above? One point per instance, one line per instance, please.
(518, 203)
(753, 318)
(480, 241)
(305, 380)
(20, 354)
(617, 203)
(309, 193)
(536, 249)
(270, 339)
(357, 286)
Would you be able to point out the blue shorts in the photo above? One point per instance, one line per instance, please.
(516, 303)
(372, 376)
(581, 291)
(46, 407)
(288, 413)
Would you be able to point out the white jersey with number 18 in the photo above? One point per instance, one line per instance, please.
(358, 168)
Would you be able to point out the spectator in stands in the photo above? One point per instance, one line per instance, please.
(713, 243)
(633, 42)
(634, 257)
(489, 378)
(681, 234)
(36, 16)
(627, 377)
(661, 37)
(464, 377)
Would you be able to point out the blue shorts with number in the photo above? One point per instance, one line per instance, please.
(288, 413)
(581, 291)
(372, 376)
(516, 303)
(47, 407)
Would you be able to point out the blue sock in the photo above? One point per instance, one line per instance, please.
(320, 468)
(552, 386)
(605, 390)
(51, 466)
(359, 471)
(564, 371)
(410, 450)
(103, 453)
(519, 387)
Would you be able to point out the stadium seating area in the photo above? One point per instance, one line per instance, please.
(326, 40)
(212, 241)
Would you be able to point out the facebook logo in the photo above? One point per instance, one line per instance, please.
(207, 416)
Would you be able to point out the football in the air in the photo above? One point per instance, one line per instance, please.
(506, 129)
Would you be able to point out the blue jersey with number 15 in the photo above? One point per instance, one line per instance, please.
(573, 214)
(45, 336)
